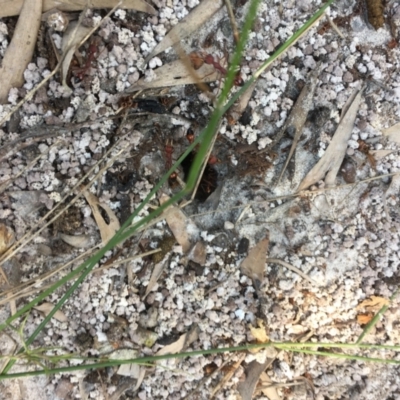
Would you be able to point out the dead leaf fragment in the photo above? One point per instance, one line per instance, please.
(77, 241)
(19, 53)
(253, 373)
(363, 319)
(107, 230)
(332, 159)
(259, 332)
(254, 264)
(7, 238)
(71, 41)
(198, 254)
(393, 133)
(182, 227)
(182, 343)
(271, 392)
(196, 18)
(176, 73)
(298, 115)
(155, 276)
(45, 308)
(10, 8)
(374, 303)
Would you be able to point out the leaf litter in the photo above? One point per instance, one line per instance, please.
(337, 240)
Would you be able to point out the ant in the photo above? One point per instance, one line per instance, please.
(198, 59)
(92, 54)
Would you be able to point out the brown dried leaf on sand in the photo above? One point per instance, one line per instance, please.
(45, 308)
(155, 275)
(196, 18)
(71, 41)
(393, 133)
(182, 343)
(8, 8)
(176, 73)
(254, 264)
(19, 52)
(374, 303)
(183, 228)
(240, 105)
(7, 238)
(253, 373)
(260, 334)
(298, 115)
(107, 230)
(332, 159)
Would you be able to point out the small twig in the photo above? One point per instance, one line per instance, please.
(232, 18)
(335, 27)
(293, 269)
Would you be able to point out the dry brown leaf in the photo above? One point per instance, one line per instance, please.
(7, 238)
(19, 53)
(240, 105)
(107, 231)
(71, 41)
(196, 18)
(253, 372)
(254, 264)
(379, 154)
(9, 8)
(155, 275)
(270, 392)
(198, 253)
(259, 334)
(182, 227)
(332, 159)
(182, 343)
(176, 73)
(363, 319)
(298, 115)
(374, 303)
(393, 133)
(77, 241)
(45, 308)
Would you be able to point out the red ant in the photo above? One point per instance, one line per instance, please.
(92, 55)
(209, 59)
(169, 150)
(198, 59)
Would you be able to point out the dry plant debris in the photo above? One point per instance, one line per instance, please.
(330, 252)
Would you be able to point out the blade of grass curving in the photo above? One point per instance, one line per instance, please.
(99, 362)
(205, 138)
(377, 317)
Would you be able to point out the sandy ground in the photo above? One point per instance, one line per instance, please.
(345, 238)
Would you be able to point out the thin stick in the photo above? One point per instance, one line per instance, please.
(293, 269)
(233, 21)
